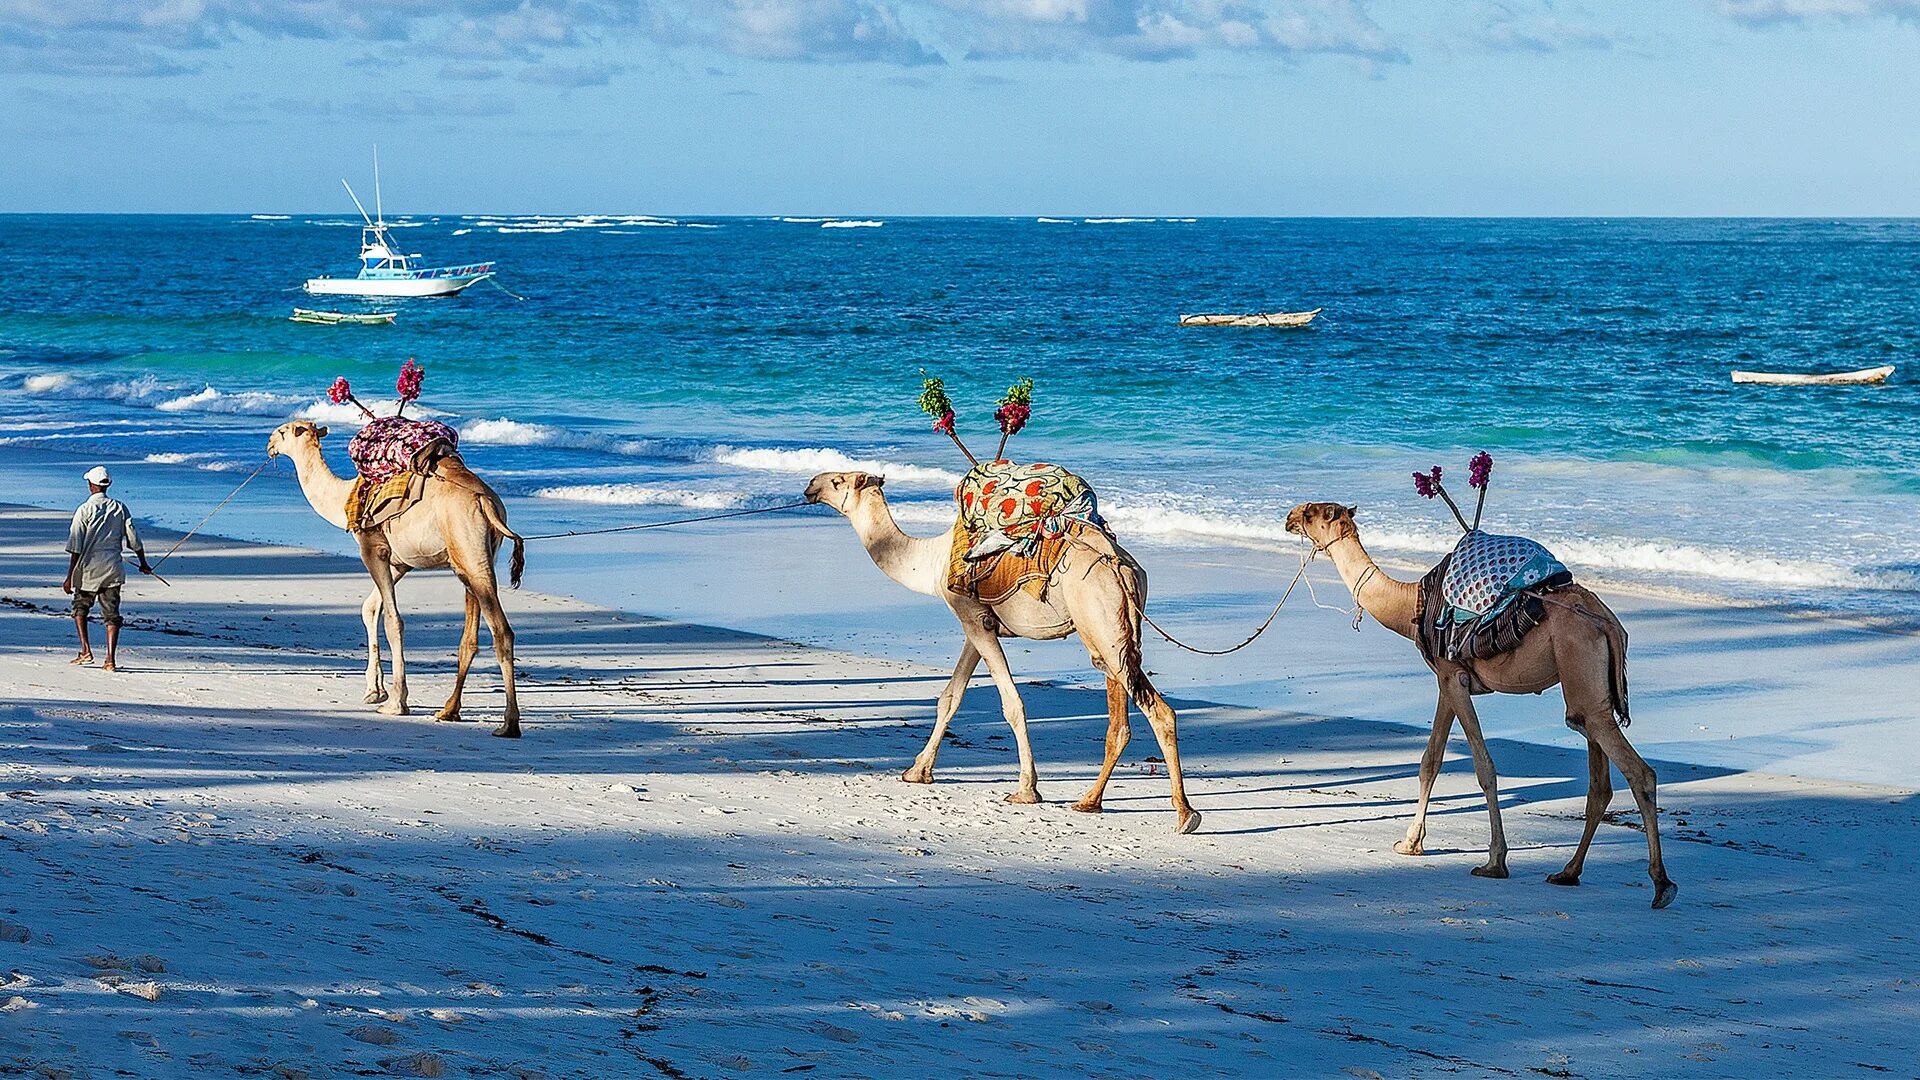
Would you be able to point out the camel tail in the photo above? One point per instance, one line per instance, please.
(517, 565)
(1617, 669)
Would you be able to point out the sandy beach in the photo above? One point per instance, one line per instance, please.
(700, 862)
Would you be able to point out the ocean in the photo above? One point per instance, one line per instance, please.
(658, 366)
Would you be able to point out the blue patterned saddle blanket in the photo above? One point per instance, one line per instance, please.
(1486, 572)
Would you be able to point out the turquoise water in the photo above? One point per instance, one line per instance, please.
(657, 366)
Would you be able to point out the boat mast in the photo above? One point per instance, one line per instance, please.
(377, 211)
(356, 201)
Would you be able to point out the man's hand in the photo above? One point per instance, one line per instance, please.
(144, 568)
(67, 585)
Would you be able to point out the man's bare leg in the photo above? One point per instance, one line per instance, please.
(113, 643)
(86, 647)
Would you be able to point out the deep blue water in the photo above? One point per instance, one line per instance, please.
(656, 367)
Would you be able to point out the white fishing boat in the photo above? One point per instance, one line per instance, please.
(1281, 319)
(1872, 376)
(385, 270)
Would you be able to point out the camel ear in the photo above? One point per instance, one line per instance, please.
(1352, 510)
(320, 432)
(865, 480)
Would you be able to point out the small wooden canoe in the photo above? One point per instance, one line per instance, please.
(342, 318)
(1280, 319)
(1864, 377)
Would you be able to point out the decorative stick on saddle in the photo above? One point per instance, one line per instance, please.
(1485, 595)
(394, 455)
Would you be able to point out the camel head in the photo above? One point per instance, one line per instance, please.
(1324, 523)
(844, 490)
(292, 433)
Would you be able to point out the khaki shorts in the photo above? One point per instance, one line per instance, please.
(109, 598)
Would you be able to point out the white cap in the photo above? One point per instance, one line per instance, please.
(98, 475)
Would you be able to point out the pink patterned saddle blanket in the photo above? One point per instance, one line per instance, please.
(391, 445)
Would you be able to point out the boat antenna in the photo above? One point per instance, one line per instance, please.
(378, 212)
(356, 200)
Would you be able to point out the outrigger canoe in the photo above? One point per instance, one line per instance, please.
(342, 318)
(1280, 319)
(1864, 377)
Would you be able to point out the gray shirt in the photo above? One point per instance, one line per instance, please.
(100, 528)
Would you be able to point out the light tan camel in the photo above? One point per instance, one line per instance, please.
(458, 523)
(1580, 645)
(1097, 591)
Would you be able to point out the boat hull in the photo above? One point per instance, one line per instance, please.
(1278, 319)
(444, 286)
(1864, 377)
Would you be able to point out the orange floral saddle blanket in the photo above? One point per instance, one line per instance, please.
(1015, 523)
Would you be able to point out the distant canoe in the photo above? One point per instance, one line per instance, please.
(342, 318)
(1864, 377)
(1280, 319)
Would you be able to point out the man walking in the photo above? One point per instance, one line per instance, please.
(100, 528)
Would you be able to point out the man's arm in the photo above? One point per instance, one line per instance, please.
(73, 563)
(76, 545)
(133, 542)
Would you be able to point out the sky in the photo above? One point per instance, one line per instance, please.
(1015, 107)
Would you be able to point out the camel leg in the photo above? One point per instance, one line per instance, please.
(502, 634)
(383, 582)
(1430, 760)
(1599, 794)
(921, 771)
(1641, 780)
(987, 644)
(469, 645)
(370, 616)
(1119, 734)
(1496, 864)
(371, 619)
(1165, 730)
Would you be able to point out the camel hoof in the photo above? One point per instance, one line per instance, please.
(1408, 847)
(1189, 822)
(1490, 871)
(1088, 806)
(393, 708)
(917, 775)
(507, 731)
(1563, 878)
(1664, 895)
(375, 697)
(1023, 798)
(447, 717)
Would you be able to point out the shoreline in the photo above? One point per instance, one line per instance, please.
(701, 855)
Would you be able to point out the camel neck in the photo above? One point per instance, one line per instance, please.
(917, 562)
(325, 492)
(1393, 604)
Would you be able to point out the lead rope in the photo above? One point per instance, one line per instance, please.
(664, 524)
(1298, 576)
(264, 462)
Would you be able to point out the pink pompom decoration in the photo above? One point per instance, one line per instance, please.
(945, 423)
(412, 375)
(340, 393)
(1479, 470)
(1427, 484)
(1012, 416)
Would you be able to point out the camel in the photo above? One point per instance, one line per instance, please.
(1580, 646)
(1097, 591)
(458, 523)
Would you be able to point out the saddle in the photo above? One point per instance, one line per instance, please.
(1484, 597)
(394, 457)
(1014, 527)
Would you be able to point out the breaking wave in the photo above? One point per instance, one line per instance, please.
(643, 495)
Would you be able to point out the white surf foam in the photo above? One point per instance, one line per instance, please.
(43, 384)
(851, 224)
(248, 402)
(1056, 221)
(461, 232)
(1116, 220)
(811, 460)
(504, 432)
(272, 217)
(643, 495)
